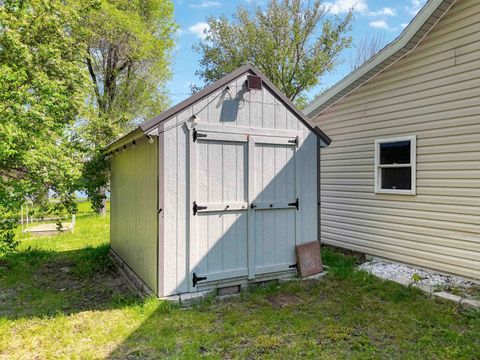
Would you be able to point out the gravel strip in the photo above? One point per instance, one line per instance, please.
(405, 274)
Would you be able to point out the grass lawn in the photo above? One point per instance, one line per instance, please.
(60, 297)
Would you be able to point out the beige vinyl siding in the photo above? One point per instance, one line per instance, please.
(433, 93)
(133, 227)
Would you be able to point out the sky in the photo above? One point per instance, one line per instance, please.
(387, 17)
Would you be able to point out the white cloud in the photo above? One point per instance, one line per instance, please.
(343, 6)
(199, 29)
(415, 6)
(384, 11)
(379, 24)
(404, 25)
(205, 4)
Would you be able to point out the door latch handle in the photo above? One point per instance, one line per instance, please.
(296, 204)
(196, 279)
(197, 135)
(196, 207)
(294, 141)
(253, 206)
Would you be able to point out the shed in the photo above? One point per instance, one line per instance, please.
(218, 190)
(402, 178)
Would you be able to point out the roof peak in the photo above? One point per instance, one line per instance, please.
(147, 126)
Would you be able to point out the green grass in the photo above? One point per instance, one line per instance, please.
(61, 297)
(90, 230)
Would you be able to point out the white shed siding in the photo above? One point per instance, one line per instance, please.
(258, 110)
(433, 93)
(133, 225)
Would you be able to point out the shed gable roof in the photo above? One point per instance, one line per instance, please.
(146, 127)
(407, 41)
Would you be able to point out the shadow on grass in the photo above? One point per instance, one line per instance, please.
(45, 283)
(348, 314)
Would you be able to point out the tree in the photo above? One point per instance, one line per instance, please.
(128, 49)
(367, 48)
(41, 92)
(293, 42)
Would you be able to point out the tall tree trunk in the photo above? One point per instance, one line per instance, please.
(101, 209)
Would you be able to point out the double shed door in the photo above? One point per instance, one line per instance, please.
(243, 219)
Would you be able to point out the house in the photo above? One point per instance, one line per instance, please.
(218, 190)
(401, 179)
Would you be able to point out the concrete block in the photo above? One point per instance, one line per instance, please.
(229, 290)
(448, 296)
(470, 304)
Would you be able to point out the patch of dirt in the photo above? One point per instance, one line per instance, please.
(95, 292)
(279, 301)
(87, 293)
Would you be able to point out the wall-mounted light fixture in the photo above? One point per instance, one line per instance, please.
(193, 120)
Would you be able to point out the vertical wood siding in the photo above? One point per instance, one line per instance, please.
(235, 107)
(133, 224)
(274, 182)
(433, 93)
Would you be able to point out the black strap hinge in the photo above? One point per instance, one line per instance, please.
(196, 135)
(296, 204)
(196, 207)
(196, 279)
(293, 266)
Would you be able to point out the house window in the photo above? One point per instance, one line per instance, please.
(395, 165)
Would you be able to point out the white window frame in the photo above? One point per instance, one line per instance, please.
(412, 165)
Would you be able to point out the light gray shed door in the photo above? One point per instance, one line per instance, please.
(244, 206)
(218, 245)
(274, 206)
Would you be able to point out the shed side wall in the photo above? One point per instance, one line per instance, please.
(235, 107)
(133, 226)
(433, 93)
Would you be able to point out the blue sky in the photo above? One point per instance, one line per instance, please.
(388, 17)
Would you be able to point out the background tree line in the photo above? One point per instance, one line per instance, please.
(77, 74)
(74, 75)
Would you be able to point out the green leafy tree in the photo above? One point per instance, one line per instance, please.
(293, 42)
(41, 93)
(128, 50)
